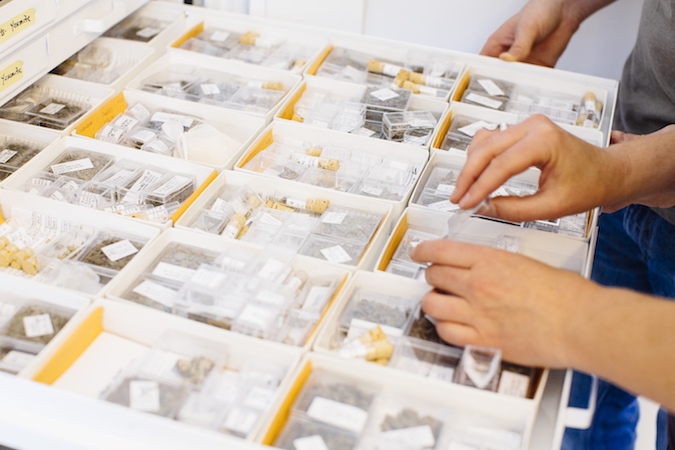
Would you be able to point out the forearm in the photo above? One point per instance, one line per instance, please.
(583, 9)
(627, 338)
(643, 167)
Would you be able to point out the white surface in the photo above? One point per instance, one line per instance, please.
(646, 429)
(599, 47)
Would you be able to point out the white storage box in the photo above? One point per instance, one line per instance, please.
(61, 221)
(239, 129)
(20, 355)
(525, 90)
(107, 155)
(113, 336)
(282, 46)
(54, 103)
(107, 61)
(29, 142)
(331, 103)
(183, 252)
(326, 388)
(355, 147)
(332, 241)
(437, 183)
(422, 224)
(191, 77)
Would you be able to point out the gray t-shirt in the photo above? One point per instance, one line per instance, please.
(646, 100)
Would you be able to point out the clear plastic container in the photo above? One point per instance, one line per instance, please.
(80, 164)
(395, 125)
(178, 262)
(380, 189)
(296, 328)
(334, 250)
(146, 394)
(336, 401)
(171, 188)
(426, 359)
(111, 251)
(367, 309)
(153, 292)
(15, 355)
(348, 224)
(33, 321)
(410, 240)
(137, 28)
(479, 367)
(59, 113)
(379, 100)
(300, 431)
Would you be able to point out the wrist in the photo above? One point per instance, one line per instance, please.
(576, 11)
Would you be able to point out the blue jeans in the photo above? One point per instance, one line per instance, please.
(635, 250)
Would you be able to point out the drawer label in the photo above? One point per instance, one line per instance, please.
(10, 75)
(17, 24)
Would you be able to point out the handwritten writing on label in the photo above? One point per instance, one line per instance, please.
(17, 24)
(11, 74)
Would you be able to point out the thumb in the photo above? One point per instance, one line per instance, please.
(521, 47)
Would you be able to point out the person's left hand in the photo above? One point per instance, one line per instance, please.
(501, 300)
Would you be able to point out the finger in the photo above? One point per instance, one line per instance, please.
(448, 279)
(539, 206)
(457, 334)
(449, 253)
(522, 45)
(447, 307)
(503, 164)
(480, 154)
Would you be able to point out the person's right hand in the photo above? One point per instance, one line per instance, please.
(575, 175)
(538, 34)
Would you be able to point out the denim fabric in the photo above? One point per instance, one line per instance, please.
(635, 250)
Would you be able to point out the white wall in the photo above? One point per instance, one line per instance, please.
(599, 47)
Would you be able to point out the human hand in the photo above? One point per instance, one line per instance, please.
(538, 34)
(502, 300)
(575, 175)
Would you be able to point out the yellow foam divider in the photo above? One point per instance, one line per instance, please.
(72, 349)
(314, 68)
(193, 32)
(394, 241)
(265, 141)
(107, 112)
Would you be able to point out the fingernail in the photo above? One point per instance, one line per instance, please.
(506, 56)
(464, 200)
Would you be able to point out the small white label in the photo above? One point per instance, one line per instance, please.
(125, 122)
(256, 316)
(484, 101)
(72, 166)
(427, 90)
(391, 69)
(40, 325)
(295, 203)
(444, 205)
(471, 129)
(305, 160)
(173, 272)
(144, 396)
(52, 108)
(363, 131)
(145, 180)
(241, 420)
(173, 185)
(270, 298)
(333, 218)
(271, 269)
(414, 437)
(220, 206)
(316, 298)
(156, 292)
(446, 189)
(147, 32)
(143, 136)
(512, 383)
(56, 195)
(491, 87)
(336, 254)
(139, 111)
(384, 94)
(338, 414)
(442, 373)
(352, 73)
(70, 186)
(259, 398)
(118, 178)
(374, 191)
(269, 219)
(119, 250)
(169, 117)
(209, 89)
(314, 442)
(219, 36)
(6, 155)
(208, 278)
(156, 146)
(7, 310)
(18, 359)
